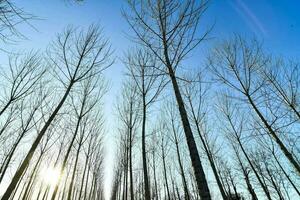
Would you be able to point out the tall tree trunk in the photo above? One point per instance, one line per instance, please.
(92, 188)
(83, 178)
(194, 155)
(262, 184)
(63, 191)
(286, 175)
(208, 153)
(31, 176)
(185, 187)
(144, 155)
(61, 171)
(154, 174)
(40, 192)
(283, 148)
(18, 185)
(74, 172)
(86, 183)
(233, 186)
(246, 177)
(7, 160)
(45, 193)
(275, 186)
(173, 185)
(126, 175)
(6, 106)
(12, 151)
(35, 144)
(165, 170)
(130, 156)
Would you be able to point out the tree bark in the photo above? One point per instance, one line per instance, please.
(144, 155)
(185, 187)
(194, 155)
(208, 153)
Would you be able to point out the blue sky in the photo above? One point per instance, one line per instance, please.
(275, 22)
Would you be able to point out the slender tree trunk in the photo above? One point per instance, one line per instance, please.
(35, 144)
(262, 184)
(173, 185)
(5, 107)
(233, 186)
(86, 183)
(7, 160)
(274, 184)
(45, 193)
(283, 148)
(208, 153)
(165, 171)
(92, 188)
(12, 151)
(74, 172)
(130, 156)
(83, 178)
(144, 155)
(22, 190)
(246, 177)
(154, 174)
(286, 175)
(61, 171)
(126, 174)
(194, 155)
(185, 187)
(40, 192)
(63, 191)
(18, 185)
(31, 176)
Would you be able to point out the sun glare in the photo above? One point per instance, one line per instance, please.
(50, 175)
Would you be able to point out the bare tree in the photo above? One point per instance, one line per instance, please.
(128, 112)
(83, 106)
(169, 30)
(10, 17)
(75, 57)
(175, 129)
(238, 64)
(21, 79)
(196, 94)
(141, 67)
(27, 122)
(283, 79)
(235, 130)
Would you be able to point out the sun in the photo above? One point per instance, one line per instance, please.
(50, 175)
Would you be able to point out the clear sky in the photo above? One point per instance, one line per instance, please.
(275, 22)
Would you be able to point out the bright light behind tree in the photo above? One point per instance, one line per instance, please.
(50, 175)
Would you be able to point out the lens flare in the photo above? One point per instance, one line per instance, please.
(50, 175)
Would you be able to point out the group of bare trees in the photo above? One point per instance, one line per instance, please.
(226, 130)
(51, 118)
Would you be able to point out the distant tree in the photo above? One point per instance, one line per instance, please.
(128, 111)
(141, 66)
